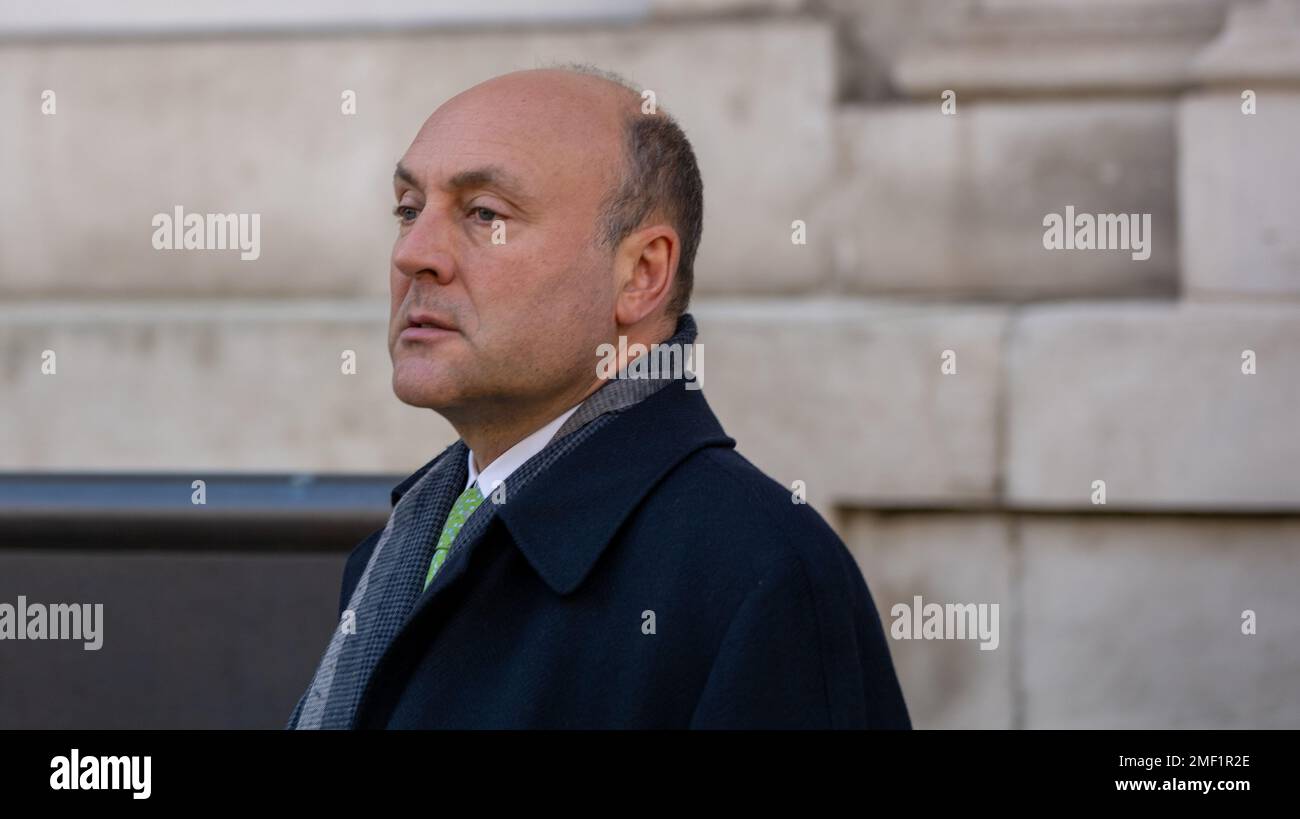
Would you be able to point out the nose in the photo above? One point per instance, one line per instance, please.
(425, 248)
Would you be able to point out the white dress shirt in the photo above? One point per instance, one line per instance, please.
(514, 457)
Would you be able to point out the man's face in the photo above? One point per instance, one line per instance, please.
(497, 202)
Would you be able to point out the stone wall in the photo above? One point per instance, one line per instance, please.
(826, 360)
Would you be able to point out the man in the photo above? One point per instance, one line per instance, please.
(592, 552)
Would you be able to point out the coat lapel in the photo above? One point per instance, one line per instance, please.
(564, 521)
(564, 518)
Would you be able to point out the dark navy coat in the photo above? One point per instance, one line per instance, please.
(651, 578)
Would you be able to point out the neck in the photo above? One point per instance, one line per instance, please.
(490, 432)
(489, 435)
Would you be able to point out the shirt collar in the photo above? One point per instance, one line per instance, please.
(514, 457)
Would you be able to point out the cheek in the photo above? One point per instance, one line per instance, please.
(505, 285)
(397, 287)
(581, 303)
(527, 291)
(590, 284)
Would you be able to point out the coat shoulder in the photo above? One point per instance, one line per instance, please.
(796, 599)
(732, 502)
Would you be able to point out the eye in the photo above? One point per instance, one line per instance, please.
(405, 213)
(485, 215)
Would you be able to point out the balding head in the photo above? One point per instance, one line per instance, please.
(536, 222)
(565, 124)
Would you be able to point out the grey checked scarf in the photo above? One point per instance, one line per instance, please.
(393, 579)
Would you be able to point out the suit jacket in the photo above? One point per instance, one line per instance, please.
(651, 578)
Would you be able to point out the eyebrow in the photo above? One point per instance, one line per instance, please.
(404, 174)
(486, 176)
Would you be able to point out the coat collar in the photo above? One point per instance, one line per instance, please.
(563, 520)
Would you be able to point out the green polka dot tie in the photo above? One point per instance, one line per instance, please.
(460, 512)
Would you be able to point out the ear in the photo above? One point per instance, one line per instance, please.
(647, 267)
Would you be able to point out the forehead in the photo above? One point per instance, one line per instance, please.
(549, 134)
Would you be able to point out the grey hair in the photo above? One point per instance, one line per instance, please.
(660, 177)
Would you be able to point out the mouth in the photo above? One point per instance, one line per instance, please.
(422, 326)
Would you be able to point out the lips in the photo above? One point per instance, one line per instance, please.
(425, 326)
(428, 321)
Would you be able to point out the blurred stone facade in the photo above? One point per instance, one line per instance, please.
(924, 235)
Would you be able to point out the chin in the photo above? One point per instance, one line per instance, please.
(422, 385)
